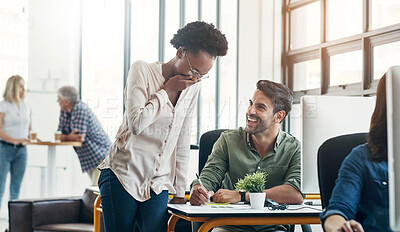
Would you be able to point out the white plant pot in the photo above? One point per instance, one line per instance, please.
(257, 200)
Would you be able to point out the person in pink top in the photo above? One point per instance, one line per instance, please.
(149, 158)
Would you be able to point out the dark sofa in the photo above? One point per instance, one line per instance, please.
(53, 214)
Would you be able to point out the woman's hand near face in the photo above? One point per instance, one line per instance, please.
(176, 84)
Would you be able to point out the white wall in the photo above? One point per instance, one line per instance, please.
(54, 28)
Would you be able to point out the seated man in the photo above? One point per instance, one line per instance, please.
(260, 147)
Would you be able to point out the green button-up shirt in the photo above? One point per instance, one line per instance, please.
(233, 156)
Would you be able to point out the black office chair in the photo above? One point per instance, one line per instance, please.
(206, 144)
(330, 157)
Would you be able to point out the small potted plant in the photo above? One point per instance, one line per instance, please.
(254, 184)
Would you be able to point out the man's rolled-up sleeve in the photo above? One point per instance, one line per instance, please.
(293, 175)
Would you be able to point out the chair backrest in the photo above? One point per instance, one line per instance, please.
(330, 157)
(207, 141)
(86, 209)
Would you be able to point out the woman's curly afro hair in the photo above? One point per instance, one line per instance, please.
(200, 36)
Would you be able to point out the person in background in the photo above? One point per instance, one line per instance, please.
(259, 147)
(151, 153)
(78, 123)
(15, 125)
(360, 198)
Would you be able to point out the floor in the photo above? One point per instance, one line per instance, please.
(3, 220)
(314, 228)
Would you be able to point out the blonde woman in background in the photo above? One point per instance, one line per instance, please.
(14, 130)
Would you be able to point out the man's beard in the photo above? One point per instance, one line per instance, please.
(259, 127)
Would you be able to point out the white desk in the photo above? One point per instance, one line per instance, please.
(241, 214)
(51, 163)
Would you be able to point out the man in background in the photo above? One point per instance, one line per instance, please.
(78, 123)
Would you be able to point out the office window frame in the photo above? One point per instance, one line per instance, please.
(365, 41)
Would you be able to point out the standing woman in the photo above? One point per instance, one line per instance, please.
(15, 117)
(149, 158)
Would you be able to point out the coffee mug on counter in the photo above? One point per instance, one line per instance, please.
(57, 137)
(33, 137)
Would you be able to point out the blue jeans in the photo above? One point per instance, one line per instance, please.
(13, 160)
(121, 212)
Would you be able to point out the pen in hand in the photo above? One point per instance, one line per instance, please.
(202, 186)
(201, 183)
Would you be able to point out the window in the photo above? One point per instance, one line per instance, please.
(102, 61)
(171, 26)
(306, 75)
(339, 47)
(14, 28)
(304, 26)
(191, 11)
(346, 68)
(144, 36)
(344, 18)
(385, 13)
(228, 68)
(208, 96)
(384, 57)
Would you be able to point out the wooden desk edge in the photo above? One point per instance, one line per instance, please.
(210, 223)
(313, 196)
(48, 143)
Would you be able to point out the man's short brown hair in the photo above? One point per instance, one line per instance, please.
(280, 95)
